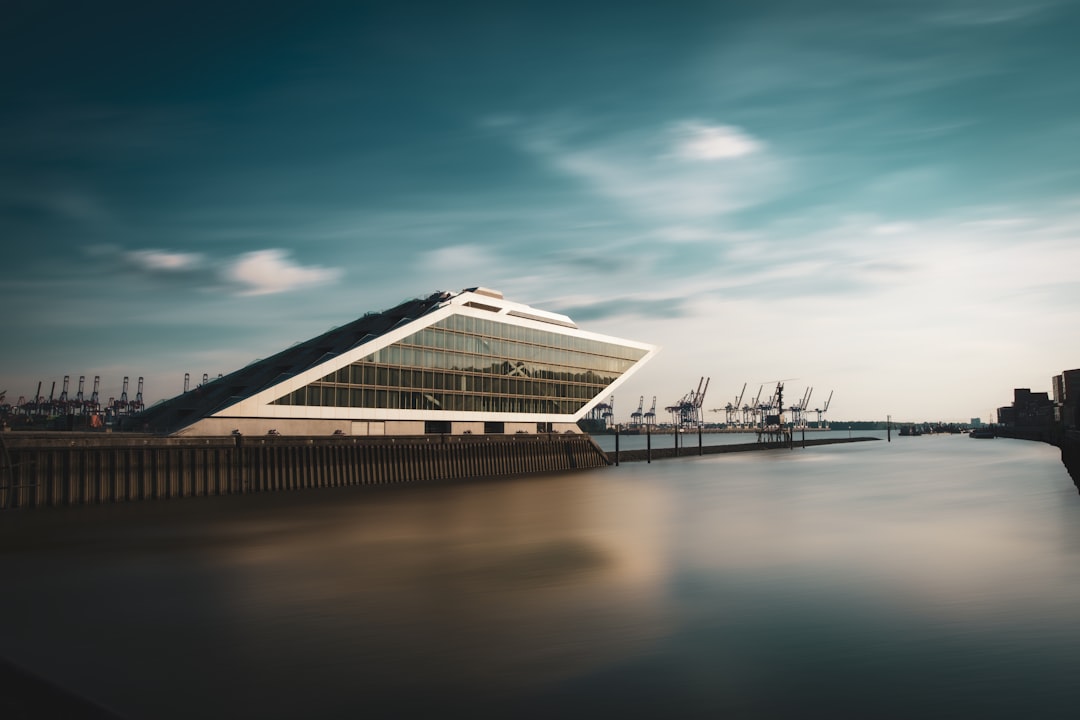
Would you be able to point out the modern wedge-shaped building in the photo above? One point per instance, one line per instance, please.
(454, 363)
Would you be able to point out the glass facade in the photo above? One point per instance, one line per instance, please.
(469, 364)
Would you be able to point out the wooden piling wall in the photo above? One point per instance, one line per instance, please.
(54, 469)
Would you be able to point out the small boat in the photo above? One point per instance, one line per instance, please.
(982, 433)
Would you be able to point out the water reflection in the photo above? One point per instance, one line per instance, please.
(930, 577)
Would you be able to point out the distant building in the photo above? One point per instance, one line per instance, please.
(1066, 389)
(1029, 409)
(468, 362)
(1039, 410)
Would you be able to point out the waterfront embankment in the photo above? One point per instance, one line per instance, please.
(54, 469)
(664, 453)
(59, 469)
(1067, 441)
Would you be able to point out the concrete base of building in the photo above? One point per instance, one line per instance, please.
(222, 426)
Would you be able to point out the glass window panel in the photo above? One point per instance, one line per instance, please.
(382, 375)
(342, 397)
(356, 398)
(394, 377)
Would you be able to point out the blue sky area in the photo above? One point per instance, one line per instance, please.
(876, 198)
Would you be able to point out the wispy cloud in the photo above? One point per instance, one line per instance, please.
(687, 170)
(271, 271)
(661, 307)
(988, 12)
(163, 261)
(260, 272)
(699, 141)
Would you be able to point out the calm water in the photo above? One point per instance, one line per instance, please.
(928, 577)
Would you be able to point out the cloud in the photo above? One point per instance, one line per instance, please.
(260, 272)
(163, 261)
(697, 141)
(689, 170)
(663, 308)
(987, 12)
(263, 272)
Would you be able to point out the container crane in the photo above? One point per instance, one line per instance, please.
(687, 412)
(821, 411)
(736, 408)
(635, 417)
(650, 417)
(798, 409)
(772, 427)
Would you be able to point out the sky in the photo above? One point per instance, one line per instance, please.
(875, 199)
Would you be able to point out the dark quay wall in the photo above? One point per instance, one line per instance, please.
(55, 469)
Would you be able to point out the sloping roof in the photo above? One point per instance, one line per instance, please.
(179, 412)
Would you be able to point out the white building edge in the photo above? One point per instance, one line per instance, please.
(467, 362)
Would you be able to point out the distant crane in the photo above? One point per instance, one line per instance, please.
(635, 417)
(650, 416)
(798, 409)
(138, 404)
(79, 395)
(95, 398)
(735, 409)
(731, 410)
(752, 413)
(687, 412)
(772, 427)
(821, 411)
(64, 392)
(608, 415)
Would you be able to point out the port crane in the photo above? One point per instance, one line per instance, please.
(650, 416)
(822, 410)
(635, 417)
(608, 414)
(772, 427)
(798, 409)
(687, 412)
(731, 410)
